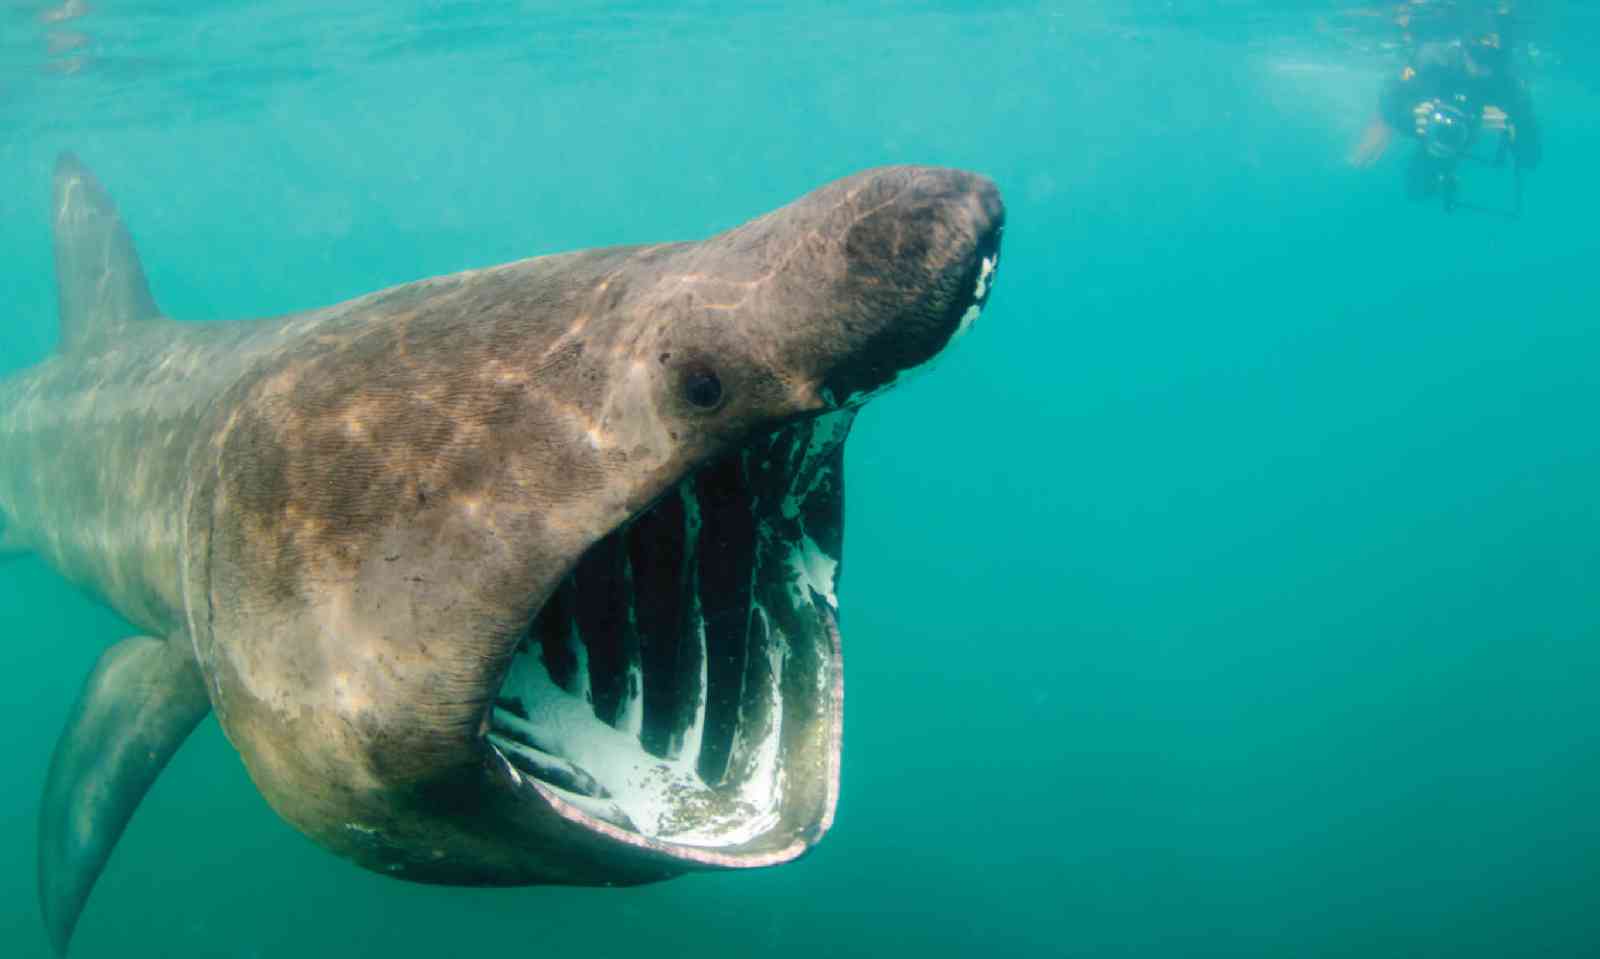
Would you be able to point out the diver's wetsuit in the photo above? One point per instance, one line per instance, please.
(1440, 73)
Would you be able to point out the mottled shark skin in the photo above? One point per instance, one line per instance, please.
(518, 575)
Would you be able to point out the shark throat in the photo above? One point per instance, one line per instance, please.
(683, 682)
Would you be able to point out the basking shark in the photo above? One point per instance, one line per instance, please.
(518, 575)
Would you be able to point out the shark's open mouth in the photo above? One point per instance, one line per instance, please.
(683, 687)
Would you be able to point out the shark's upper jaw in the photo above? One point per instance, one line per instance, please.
(682, 690)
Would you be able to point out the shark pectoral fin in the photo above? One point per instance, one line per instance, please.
(140, 703)
(100, 284)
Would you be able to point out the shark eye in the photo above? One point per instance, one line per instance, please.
(702, 389)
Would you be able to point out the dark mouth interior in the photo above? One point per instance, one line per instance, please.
(682, 679)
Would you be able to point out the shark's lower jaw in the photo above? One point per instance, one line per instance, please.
(682, 691)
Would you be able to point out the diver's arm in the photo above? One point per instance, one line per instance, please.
(1375, 140)
(1399, 95)
(1394, 113)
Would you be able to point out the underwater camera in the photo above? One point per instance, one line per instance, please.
(1449, 132)
(1449, 135)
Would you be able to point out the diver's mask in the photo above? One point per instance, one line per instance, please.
(1448, 133)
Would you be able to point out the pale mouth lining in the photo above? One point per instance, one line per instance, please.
(683, 683)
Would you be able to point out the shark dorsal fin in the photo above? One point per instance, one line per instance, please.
(99, 283)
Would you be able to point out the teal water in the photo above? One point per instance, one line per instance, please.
(1232, 590)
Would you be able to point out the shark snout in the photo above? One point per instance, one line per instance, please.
(975, 218)
(920, 259)
(968, 204)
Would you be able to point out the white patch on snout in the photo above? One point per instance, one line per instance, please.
(986, 271)
(985, 280)
(967, 319)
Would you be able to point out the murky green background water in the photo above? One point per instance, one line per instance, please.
(1231, 591)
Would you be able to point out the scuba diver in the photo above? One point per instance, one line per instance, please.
(1450, 93)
